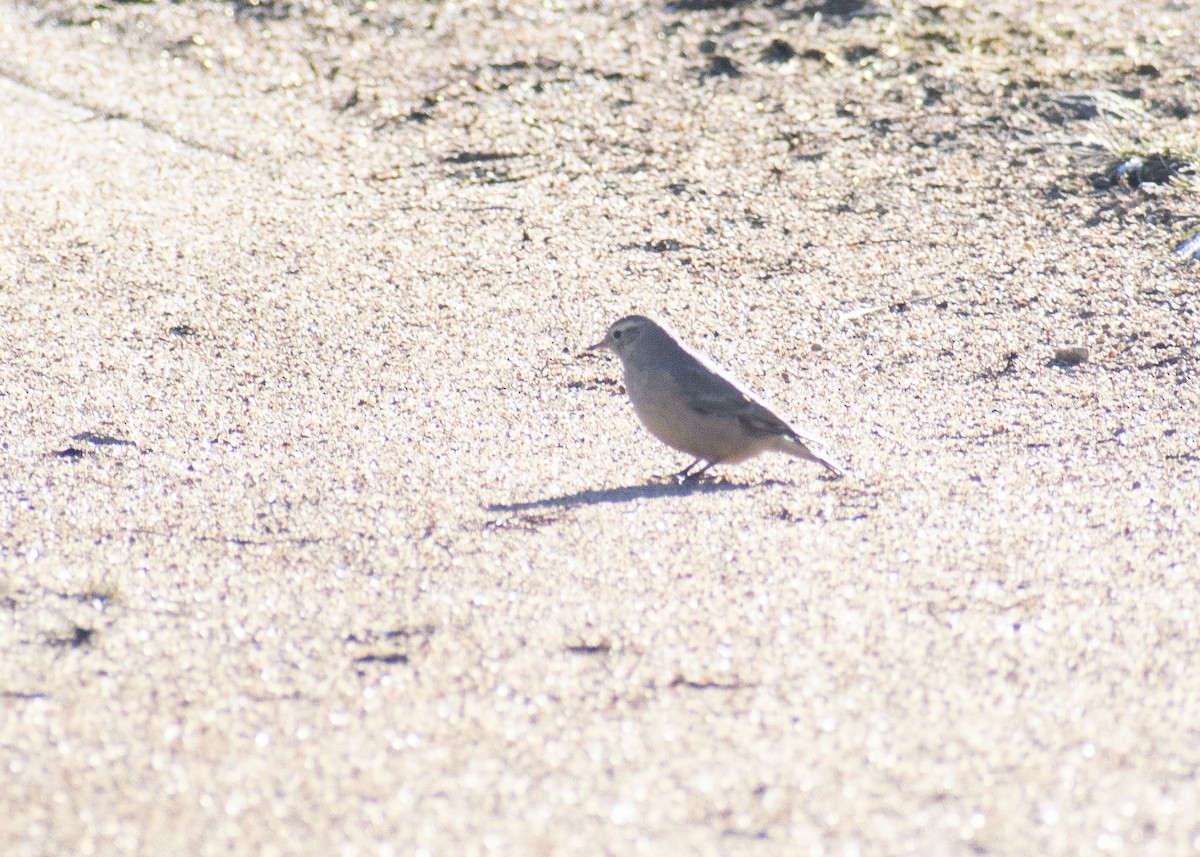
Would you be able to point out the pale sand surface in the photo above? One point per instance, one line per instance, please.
(321, 534)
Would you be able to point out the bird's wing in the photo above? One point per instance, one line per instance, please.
(707, 389)
(711, 391)
(760, 421)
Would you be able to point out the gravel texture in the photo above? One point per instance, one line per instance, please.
(321, 533)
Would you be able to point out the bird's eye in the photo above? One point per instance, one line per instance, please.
(616, 334)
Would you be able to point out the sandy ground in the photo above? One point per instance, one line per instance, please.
(322, 534)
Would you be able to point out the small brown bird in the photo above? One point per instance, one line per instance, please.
(691, 404)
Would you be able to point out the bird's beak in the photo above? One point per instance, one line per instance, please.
(602, 345)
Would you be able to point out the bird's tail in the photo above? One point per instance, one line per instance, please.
(798, 447)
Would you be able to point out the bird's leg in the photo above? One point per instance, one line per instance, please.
(684, 475)
(696, 476)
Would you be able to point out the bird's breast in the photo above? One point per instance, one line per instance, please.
(663, 409)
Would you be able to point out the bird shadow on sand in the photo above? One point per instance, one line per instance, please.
(653, 490)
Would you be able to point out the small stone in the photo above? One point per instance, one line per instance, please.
(1070, 355)
(777, 53)
(722, 66)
